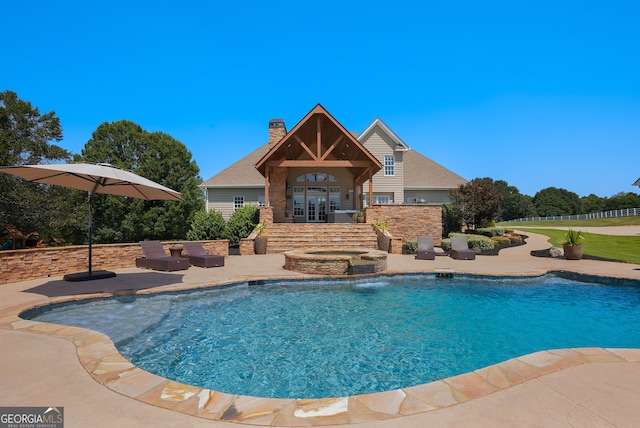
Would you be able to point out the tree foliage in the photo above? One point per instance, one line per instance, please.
(451, 219)
(514, 204)
(478, 200)
(556, 202)
(26, 138)
(155, 156)
(206, 225)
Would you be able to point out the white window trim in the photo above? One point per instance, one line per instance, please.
(236, 200)
(389, 165)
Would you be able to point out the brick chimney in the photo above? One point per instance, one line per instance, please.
(277, 130)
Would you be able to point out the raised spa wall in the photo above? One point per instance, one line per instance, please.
(336, 261)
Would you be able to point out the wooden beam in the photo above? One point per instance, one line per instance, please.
(320, 163)
(333, 146)
(304, 146)
(266, 188)
(370, 188)
(319, 136)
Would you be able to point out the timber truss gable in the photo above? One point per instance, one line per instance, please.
(320, 141)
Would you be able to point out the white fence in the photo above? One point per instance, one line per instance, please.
(629, 212)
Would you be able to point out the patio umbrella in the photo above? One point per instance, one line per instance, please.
(94, 178)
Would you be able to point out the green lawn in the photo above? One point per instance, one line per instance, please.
(575, 224)
(619, 248)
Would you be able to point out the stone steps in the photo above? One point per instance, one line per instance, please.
(289, 236)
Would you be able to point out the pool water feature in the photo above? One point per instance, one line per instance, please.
(311, 339)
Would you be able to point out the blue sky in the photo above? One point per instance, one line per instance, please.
(536, 93)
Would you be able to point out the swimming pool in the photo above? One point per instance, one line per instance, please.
(344, 337)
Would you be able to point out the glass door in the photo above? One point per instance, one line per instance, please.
(316, 205)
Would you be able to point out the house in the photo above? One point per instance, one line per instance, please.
(318, 167)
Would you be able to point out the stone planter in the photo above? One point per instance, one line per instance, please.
(383, 243)
(260, 245)
(572, 252)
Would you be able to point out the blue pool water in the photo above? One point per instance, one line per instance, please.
(302, 339)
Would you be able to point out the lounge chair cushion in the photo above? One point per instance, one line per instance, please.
(156, 258)
(460, 249)
(198, 256)
(425, 248)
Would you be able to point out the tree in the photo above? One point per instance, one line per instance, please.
(621, 201)
(206, 225)
(155, 156)
(478, 201)
(592, 203)
(451, 219)
(556, 202)
(514, 204)
(25, 139)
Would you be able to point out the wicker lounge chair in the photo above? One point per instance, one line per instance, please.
(156, 258)
(460, 249)
(198, 256)
(425, 248)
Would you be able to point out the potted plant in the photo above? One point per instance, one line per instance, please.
(358, 217)
(383, 239)
(260, 242)
(572, 244)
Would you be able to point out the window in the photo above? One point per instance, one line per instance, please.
(238, 202)
(316, 177)
(334, 198)
(261, 201)
(298, 205)
(389, 165)
(377, 199)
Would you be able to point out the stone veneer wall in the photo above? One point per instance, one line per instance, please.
(277, 193)
(408, 221)
(21, 265)
(247, 244)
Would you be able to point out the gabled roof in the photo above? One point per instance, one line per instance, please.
(242, 173)
(320, 140)
(422, 173)
(400, 145)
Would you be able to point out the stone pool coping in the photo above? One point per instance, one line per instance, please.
(100, 358)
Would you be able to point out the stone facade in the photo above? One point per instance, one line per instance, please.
(21, 265)
(277, 131)
(408, 221)
(277, 193)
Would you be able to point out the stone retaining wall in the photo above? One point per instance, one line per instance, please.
(21, 265)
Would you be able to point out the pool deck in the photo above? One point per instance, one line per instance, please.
(48, 365)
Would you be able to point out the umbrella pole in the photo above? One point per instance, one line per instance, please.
(86, 276)
(90, 232)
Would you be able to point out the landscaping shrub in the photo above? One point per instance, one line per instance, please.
(485, 231)
(515, 239)
(476, 242)
(206, 225)
(501, 240)
(410, 247)
(241, 223)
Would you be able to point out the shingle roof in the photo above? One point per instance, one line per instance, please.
(242, 173)
(420, 172)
